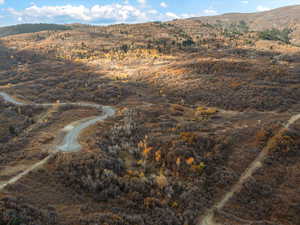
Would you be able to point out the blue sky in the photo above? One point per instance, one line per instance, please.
(123, 11)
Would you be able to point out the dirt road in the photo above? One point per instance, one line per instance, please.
(72, 131)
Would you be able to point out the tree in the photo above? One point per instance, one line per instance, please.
(12, 130)
(187, 43)
(243, 27)
(276, 35)
(125, 48)
(235, 29)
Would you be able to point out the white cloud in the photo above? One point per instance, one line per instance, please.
(261, 8)
(96, 14)
(142, 2)
(245, 2)
(171, 15)
(187, 15)
(210, 12)
(152, 11)
(2, 1)
(115, 12)
(164, 5)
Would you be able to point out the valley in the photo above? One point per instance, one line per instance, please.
(183, 122)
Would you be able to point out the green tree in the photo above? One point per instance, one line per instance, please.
(243, 26)
(276, 35)
(12, 130)
(125, 48)
(187, 43)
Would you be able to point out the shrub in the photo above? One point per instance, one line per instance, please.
(188, 43)
(243, 26)
(125, 48)
(236, 29)
(199, 167)
(13, 221)
(188, 137)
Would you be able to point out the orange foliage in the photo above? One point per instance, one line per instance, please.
(188, 137)
(235, 84)
(178, 161)
(147, 150)
(190, 161)
(158, 155)
(262, 136)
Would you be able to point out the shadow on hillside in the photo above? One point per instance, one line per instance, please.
(235, 85)
(44, 78)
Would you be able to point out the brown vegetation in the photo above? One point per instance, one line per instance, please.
(174, 147)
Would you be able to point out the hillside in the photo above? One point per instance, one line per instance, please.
(30, 28)
(198, 126)
(285, 17)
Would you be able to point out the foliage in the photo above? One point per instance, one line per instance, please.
(190, 161)
(199, 167)
(188, 43)
(236, 29)
(243, 26)
(188, 137)
(276, 35)
(12, 130)
(13, 221)
(125, 48)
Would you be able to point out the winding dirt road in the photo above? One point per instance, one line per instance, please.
(70, 144)
(208, 218)
(72, 131)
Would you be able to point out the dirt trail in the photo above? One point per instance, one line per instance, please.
(24, 173)
(72, 131)
(207, 219)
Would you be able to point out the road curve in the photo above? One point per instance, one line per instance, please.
(72, 131)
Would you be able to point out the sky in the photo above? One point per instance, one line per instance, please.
(103, 12)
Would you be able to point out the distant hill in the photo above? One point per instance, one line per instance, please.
(30, 28)
(280, 18)
(285, 17)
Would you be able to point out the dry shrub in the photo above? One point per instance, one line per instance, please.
(162, 181)
(283, 142)
(15, 211)
(215, 66)
(188, 137)
(198, 168)
(262, 136)
(150, 202)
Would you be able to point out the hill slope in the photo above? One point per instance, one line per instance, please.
(285, 17)
(197, 110)
(30, 28)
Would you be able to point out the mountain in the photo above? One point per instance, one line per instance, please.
(30, 28)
